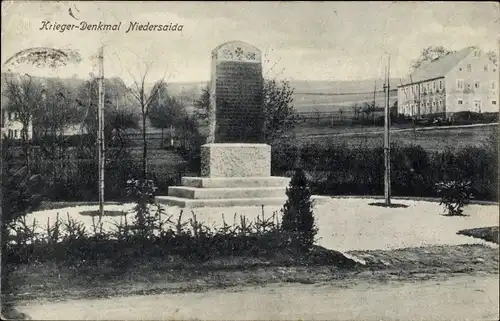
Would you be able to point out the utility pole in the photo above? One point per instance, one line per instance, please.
(100, 134)
(387, 151)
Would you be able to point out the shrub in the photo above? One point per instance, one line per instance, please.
(454, 195)
(359, 170)
(298, 219)
(143, 193)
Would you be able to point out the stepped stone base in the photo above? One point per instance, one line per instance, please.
(232, 175)
(228, 202)
(230, 182)
(231, 202)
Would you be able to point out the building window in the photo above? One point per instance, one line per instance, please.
(460, 84)
(469, 67)
(460, 69)
(493, 102)
(428, 87)
(15, 133)
(9, 115)
(476, 84)
(477, 105)
(485, 67)
(440, 84)
(10, 133)
(493, 85)
(460, 102)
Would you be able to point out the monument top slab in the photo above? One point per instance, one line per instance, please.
(237, 51)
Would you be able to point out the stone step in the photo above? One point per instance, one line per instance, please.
(225, 193)
(228, 202)
(231, 182)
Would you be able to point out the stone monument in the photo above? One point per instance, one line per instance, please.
(235, 162)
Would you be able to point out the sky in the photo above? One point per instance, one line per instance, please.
(298, 40)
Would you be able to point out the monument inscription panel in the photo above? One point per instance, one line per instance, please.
(237, 86)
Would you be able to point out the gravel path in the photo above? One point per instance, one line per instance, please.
(458, 298)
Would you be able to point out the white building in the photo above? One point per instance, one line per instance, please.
(11, 125)
(462, 81)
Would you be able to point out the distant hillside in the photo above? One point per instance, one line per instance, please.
(315, 95)
(340, 87)
(304, 86)
(309, 96)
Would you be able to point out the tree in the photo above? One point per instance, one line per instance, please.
(279, 115)
(24, 99)
(167, 112)
(369, 109)
(317, 115)
(57, 110)
(202, 106)
(117, 118)
(356, 110)
(145, 98)
(492, 55)
(429, 54)
(298, 219)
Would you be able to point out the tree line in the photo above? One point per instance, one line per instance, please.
(52, 106)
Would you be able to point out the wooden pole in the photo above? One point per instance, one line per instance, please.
(387, 151)
(100, 135)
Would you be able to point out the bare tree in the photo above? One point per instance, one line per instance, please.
(202, 106)
(167, 112)
(492, 55)
(355, 109)
(57, 110)
(430, 53)
(146, 98)
(24, 98)
(280, 116)
(118, 114)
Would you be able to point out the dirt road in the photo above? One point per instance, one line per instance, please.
(457, 298)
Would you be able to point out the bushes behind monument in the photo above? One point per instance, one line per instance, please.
(342, 170)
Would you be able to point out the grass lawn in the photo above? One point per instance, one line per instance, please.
(53, 281)
(489, 234)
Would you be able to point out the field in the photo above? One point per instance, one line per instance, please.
(323, 102)
(435, 139)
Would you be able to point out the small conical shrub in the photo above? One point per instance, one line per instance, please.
(298, 219)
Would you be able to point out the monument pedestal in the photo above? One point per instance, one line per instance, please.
(231, 175)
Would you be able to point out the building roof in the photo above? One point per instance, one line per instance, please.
(437, 68)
